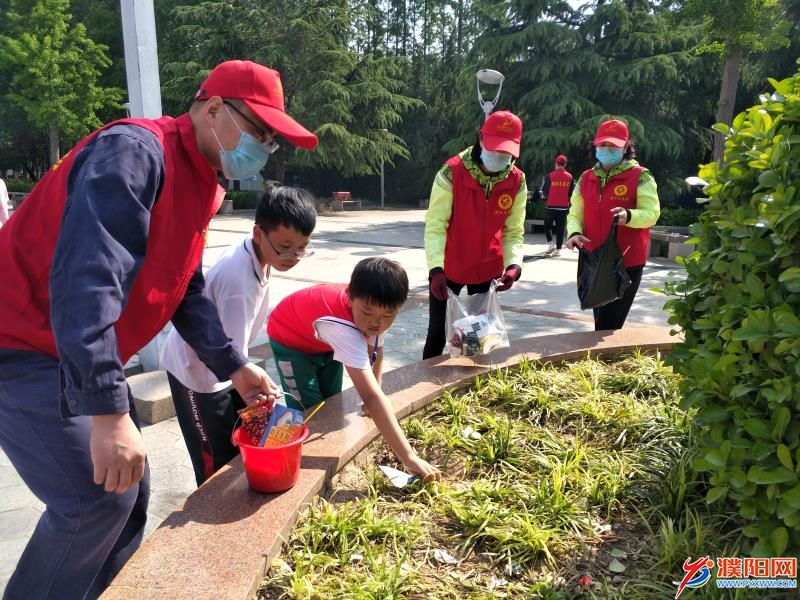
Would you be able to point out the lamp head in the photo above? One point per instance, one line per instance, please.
(490, 76)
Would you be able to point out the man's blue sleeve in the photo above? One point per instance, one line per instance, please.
(198, 323)
(111, 189)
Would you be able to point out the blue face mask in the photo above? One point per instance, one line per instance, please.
(495, 161)
(247, 159)
(608, 157)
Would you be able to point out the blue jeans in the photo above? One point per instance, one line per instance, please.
(85, 535)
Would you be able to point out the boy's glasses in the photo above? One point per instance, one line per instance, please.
(262, 135)
(290, 254)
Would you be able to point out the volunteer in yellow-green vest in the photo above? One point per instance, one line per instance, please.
(475, 224)
(617, 186)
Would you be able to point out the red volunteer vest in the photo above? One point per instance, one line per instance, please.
(473, 251)
(558, 196)
(291, 322)
(189, 197)
(620, 190)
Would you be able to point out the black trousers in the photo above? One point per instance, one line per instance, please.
(555, 220)
(437, 309)
(613, 315)
(206, 421)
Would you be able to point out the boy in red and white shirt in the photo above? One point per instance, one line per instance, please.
(319, 331)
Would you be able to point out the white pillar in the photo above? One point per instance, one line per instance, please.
(144, 99)
(141, 58)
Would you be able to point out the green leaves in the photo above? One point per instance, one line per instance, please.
(739, 311)
(768, 476)
(52, 69)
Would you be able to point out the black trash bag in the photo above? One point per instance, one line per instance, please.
(602, 277)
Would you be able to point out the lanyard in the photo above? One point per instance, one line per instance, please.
(374, 356)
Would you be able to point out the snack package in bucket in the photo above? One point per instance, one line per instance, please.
(285, 425)
(255, 420)
(475, 325)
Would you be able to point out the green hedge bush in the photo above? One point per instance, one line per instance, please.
(738, 310)
(535, 210)
(19, 185)
(243, 200)
(679, 217)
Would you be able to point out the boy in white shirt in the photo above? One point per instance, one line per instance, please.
(4, 203)
(238, 285)
(317, 332)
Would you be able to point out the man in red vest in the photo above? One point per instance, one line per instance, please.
(556, 190)
(106, 249)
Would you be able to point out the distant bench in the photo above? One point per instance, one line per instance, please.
(342, 200)
(532, 224)
(16, 198)
(675, 243)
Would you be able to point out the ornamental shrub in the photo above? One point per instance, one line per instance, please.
(738, 311)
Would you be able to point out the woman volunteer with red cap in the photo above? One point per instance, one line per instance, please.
(617, 186)
(106, 249)
(557, 189)
(475, 224)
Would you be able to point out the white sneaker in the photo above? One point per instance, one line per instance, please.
(556, 253)
(550, 249)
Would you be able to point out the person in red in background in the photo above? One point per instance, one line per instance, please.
(557, 189)
(104, 251)
(617, 186)
(475, 224)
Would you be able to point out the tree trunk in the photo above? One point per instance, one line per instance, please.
(55, 152)
(727, 95)
(280, 167)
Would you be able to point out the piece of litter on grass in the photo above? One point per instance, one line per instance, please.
(445, 557)
(497, 583)
(468, 433)
(356, 557)
(617, 553)
(602, 527)
(404, 566)
(585, 582)
(616, 567)
(281, 566)
(399, 479)
(513, 569)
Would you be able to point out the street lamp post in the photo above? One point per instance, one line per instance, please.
(387, 131)
(489, 77)
(381, 184)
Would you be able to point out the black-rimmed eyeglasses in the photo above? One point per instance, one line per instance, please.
(263, 136)
(289, 254)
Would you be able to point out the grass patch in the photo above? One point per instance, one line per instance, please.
(577, 470)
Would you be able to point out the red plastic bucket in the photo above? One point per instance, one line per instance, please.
(270, 470)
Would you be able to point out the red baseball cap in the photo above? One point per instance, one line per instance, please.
(502, 132)
(261, 90)
(613, 131)
(561, 159)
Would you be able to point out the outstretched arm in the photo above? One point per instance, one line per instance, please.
(382, 413)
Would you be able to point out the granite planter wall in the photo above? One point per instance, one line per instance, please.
(224, 537)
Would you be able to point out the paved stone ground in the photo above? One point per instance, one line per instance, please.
(542, 302)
